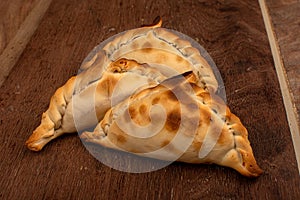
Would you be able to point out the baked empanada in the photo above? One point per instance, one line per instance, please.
(139, 58)
(177, 120)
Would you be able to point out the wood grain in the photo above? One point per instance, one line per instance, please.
(12, 15)
(285, 17)
(287, 92)
(17, 31)
(232, 32)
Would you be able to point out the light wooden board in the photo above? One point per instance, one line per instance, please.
(282, 24)
(19, 22)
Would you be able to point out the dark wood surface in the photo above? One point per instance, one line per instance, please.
(231, 31)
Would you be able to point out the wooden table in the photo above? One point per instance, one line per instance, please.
(40, 53)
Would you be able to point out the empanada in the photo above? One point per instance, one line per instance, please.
(85, 98)
(177, 120)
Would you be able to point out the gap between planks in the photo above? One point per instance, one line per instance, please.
(283, 81)
(16, 46)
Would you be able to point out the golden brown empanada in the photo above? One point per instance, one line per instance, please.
(116, 69)
(177, 120)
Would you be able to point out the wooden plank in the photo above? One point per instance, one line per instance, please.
(287, 91)
(285, 18)
(12, 15)
(16, 32)
(234, 35)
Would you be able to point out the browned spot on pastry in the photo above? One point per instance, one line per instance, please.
(114, 69)
(147, 45)
(205, 116)
(111, 82)
(192, 80)
(133, 150)
(155, 100)
(122, 61)
(171, 96)
(147, 50)
(161, 58)
(121, 138)
(164, 143)
(233, 118)
(179, 58)
(132, 112)
(173, 120)
(143, 109)
(122, 65)
(222, 135)
(197, 145)
(106, 85)
(239, 129)
(206, 98)
(103, 85)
